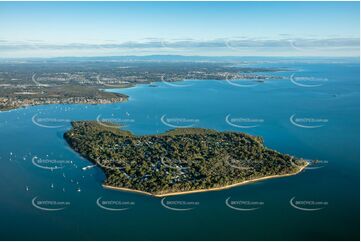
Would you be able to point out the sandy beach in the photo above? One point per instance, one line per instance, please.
(205, 190)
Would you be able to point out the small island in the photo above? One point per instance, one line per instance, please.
(180, 161)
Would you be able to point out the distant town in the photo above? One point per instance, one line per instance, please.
(34, 82)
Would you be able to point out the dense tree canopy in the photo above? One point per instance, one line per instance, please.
(178, 160)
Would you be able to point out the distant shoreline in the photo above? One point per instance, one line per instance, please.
(204, 190)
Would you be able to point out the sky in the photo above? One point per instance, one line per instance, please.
(47, 29)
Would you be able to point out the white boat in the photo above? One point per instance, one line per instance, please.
(88, 167)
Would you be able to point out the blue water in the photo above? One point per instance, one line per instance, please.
(335, 181)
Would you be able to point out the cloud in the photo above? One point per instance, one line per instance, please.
(284, 46)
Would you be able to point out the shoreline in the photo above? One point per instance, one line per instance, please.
(204, 190)
(124, 99)
(47, 104)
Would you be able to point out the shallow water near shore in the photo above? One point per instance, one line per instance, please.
(315, 122)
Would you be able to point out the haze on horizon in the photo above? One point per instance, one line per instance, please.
(51, 29)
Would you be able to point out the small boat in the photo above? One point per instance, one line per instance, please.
(88, 167)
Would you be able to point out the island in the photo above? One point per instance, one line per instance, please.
(179, 161)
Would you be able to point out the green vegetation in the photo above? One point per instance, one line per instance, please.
(65, 94)
(73, 81)
(178, 160)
